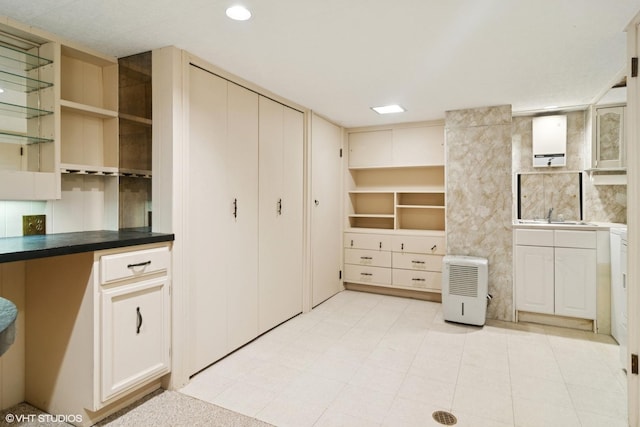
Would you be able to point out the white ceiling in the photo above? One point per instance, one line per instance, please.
(340, 57)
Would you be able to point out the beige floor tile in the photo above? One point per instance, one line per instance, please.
(529, 413)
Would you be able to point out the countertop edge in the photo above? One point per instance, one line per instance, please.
(110, 240)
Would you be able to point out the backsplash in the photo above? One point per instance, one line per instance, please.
(11, 215)
(557, 188)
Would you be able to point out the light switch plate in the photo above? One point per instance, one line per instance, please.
(34, 224)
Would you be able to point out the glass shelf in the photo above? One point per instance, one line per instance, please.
(16, 138)
(20, 60)
(19, 83)
(21, 111)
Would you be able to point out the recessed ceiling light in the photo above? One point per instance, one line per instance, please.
(388, 109)
(238, 13)
(550, 107)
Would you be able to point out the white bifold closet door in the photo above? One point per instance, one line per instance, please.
(280, 219)
(221, 193)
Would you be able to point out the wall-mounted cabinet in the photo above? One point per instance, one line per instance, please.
(29, 73)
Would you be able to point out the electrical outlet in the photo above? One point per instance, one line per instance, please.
(34, 224)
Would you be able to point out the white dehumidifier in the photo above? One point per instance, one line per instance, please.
(465, 289)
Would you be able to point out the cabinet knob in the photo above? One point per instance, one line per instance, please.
(316, 202)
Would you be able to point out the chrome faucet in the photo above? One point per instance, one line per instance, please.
(549, 215)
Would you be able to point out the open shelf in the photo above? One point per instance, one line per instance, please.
(22, 111)
(17, 138)
(19, 83)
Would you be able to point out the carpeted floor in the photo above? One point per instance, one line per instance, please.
(159, 409)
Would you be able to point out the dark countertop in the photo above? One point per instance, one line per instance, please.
(48, 245)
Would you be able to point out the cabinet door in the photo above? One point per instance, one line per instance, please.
(575, 274)
(241, 257)
(134, 335)
(534, 279)
(207, 202)
(371, 149)
(609, 137)
(280, 218)
(420, 146)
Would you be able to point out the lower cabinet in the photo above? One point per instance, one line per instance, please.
(412, 262)
(555, 272)
(135, 335)
(98, 329)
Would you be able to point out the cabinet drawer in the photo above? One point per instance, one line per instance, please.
(417, 279)
(534, 237)
(410, 261)
(133, 264)
(575, 239)
(366, 274)
(419, 244)
(367, 241)
(367, 257)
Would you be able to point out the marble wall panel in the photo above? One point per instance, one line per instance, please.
(479, 196)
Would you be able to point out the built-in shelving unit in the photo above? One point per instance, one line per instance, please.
(89, 113)
(397, 198)
(395, 208)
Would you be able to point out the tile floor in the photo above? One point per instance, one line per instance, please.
(365, 360)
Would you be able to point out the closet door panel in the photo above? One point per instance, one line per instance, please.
(205, 187)
(292, 210)
(271, 240)
(242, 217)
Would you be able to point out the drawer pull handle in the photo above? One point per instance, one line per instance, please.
(279, 206)
(235, 208)
(366, 257)
(433, 248)
(139, 323)
(351, 242)
(417, 262)
(366, 274)
(402, 246)
(380, 245)
(139, 264)
(418, 279)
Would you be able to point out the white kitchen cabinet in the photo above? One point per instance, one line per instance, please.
(534, 281)
(575, 282)
(280, 213)
(98, 330)
(555, 272)
(135, 319)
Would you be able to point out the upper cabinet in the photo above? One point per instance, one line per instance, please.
(608, 144)
(29, 73)
(398, 147)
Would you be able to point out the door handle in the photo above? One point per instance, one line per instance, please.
(235, 208)
(139, 322)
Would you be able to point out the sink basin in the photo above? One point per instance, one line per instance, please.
(544, 221)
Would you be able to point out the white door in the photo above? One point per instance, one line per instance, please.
(240, 212)
(575, 274)
(280, 241)
(534, 279)
(207, 202)
(326, 209)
